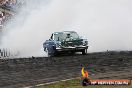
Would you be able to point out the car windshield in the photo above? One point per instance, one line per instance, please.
(63, 36)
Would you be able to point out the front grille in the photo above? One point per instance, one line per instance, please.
(72, 43)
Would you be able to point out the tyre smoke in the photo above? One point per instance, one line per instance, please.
(105, 23)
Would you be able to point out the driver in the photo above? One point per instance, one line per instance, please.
(68, 37)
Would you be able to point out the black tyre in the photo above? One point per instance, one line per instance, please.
(84, 52)
(47, 51)
(55, 53)
(51, 54)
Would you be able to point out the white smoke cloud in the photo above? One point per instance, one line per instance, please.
(106, 24)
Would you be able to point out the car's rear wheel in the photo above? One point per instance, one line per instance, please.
(84, 51)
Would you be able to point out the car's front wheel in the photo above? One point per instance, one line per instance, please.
(49, 53)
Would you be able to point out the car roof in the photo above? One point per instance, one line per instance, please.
(64, 32)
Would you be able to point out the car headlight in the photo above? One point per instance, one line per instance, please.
(58, 44)
(85, 42)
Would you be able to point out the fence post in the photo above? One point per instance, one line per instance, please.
(0, 53)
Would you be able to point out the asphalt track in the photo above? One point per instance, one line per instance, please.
(22, 72)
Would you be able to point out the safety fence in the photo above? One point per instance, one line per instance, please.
(6, 53)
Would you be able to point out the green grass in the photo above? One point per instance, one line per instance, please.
(76, 84)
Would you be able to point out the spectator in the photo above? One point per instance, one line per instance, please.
(1, 20)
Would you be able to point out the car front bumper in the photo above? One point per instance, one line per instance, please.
(77, 48)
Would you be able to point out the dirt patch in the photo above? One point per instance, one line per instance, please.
(15, 73)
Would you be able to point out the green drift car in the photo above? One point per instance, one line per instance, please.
(67, 42)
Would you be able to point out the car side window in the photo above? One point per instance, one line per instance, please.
(51, 36)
